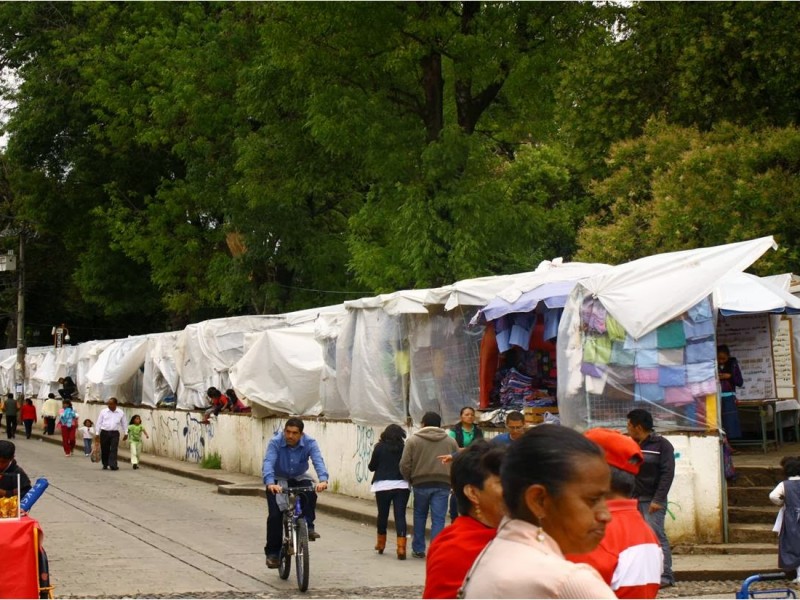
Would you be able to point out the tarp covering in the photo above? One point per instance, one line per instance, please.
(647, 292)
(739, 293)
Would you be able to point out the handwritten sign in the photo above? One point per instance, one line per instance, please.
(750, 341)
(782, 356)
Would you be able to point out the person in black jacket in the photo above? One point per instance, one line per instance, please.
(389, 486)
(9, 469)
(653, 481)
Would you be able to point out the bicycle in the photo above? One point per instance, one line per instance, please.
(295, 537)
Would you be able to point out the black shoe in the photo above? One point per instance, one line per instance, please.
(115, 468)
(135, 466)
(105, 467)
(273, 562)
(313, 535)
(418, 554)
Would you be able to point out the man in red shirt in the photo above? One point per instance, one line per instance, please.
(629, 558)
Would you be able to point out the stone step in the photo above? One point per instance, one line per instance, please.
(724, 567)
(753, 514)
(751, 476)
(745, 533)
(729, 549)
(749, 496)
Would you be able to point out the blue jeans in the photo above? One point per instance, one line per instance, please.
(435, 500)
(656, 522)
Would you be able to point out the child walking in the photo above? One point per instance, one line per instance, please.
(28, 414)
(787, 495)
(87, 431)
(135, 431)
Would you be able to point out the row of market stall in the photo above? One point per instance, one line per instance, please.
(586, 341)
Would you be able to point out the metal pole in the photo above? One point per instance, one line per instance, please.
(20, 367)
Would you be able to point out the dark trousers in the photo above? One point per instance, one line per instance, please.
(109, 443)
(28, 427)
(49, 425)
(399, 499)
(275, 516)
(11, 426)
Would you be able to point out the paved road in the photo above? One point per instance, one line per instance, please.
(147, 533)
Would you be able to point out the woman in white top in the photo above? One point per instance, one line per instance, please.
(555, 482)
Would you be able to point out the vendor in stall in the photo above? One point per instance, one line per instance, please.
(730, 377)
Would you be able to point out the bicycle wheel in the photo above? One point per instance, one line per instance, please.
(286, 550)
(301, 558)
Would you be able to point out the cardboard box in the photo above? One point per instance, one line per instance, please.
(535, 414)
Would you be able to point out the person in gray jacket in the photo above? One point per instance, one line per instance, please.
(429, 476)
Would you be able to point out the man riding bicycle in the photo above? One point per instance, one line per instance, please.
(286, 464)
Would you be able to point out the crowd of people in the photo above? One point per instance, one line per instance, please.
(540, 513)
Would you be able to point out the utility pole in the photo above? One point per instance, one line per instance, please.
(20, 368)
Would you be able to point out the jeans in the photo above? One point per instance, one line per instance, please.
(87, 446)
(28, 427)
(11, 426)
(656, 522)
(275, 516)
(399, 499)
(425, 499)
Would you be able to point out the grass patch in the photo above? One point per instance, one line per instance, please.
(211, 461)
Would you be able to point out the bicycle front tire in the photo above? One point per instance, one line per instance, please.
(301, 557)
(285, 566)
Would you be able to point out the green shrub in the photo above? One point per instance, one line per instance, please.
(211, 461)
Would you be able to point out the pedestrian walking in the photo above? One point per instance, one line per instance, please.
(68, 422)
(28, 415)
(423, 468)
(110, 425)
(50, 414)
(135, 432)
(389, 487)
(87, 433)
(10, 411)
(654, 481)
(787, 495)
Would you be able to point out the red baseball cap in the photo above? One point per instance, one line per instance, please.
(621, 451)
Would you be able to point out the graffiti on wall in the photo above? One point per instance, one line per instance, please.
(196, 434)
(365, 438)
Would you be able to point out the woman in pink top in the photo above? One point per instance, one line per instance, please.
(554, 484)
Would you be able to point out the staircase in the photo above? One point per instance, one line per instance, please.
(752, 545)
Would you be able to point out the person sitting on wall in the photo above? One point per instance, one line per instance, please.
(219, 402)
(68, 388)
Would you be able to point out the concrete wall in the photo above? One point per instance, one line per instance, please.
(240, 440)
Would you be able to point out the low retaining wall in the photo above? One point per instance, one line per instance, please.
(695, 506)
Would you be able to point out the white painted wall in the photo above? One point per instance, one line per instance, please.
(694, 500)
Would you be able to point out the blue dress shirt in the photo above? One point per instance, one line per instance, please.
(286, 462)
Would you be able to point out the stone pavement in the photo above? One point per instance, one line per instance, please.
(712, 571)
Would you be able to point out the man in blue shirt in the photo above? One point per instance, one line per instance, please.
(515, 426)
(286, 464)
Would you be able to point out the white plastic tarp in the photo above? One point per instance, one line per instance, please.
(745, 293)
(119, 362)
(281, 371)
(648, 292)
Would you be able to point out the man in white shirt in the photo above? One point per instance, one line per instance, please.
(110, 424)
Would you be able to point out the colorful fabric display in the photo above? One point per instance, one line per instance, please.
(700, 372)
(597, 349)
(698, 352)
(522, 324)
(701, 311)
(649, 375)
(646, 342)
(516, 389)
(678, 396)
(615, 331)
(621, 376)
(502, 328)
(591, 369)
(620, 356)
(593, 315)
(648, 392)
(709, 386)
(671, 376)
(646, 358)
(671, 335)
(698, 331)
(619, 394)
(671, 357)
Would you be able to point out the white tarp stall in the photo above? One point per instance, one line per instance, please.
(642, 334)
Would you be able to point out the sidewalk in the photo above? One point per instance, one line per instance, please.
(700, 563)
